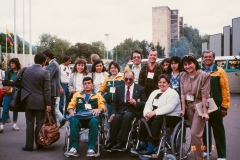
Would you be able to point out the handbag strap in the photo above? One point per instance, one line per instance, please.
(197, 90)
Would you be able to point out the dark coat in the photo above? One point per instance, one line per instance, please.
(36, 91)
(119, 105)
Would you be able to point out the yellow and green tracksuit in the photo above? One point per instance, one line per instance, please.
(78, 103)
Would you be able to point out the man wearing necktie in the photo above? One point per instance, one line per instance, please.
(128, 103)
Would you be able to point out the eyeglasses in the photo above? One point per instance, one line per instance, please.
(137, 57)
(130, 79)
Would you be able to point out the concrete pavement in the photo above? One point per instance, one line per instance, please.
(12, 141)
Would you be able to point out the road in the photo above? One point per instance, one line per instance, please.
(12, 141)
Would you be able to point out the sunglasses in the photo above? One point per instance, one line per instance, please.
(130, 79)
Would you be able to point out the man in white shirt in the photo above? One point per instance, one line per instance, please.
(136, 58)
(65, 72)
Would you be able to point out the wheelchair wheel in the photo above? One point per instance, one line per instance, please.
(176, 140)
(169, 157)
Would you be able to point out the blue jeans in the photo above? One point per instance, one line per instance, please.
(64, 98)
(6, 102)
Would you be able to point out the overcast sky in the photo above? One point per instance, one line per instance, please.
(86, 21)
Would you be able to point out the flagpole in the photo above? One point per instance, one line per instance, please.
(30, 33)
(15, 34)
(23, 36)
(6, 49)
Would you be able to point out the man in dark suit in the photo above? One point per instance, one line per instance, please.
(128, 103)
(54, 71)
(35, 94)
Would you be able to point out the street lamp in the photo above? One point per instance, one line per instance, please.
(107, 44)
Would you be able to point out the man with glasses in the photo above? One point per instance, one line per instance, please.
(128, 103)
(220, 87)
(136, 58)
(148, 76)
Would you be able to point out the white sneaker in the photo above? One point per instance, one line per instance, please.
(15, 127)
(221, 159)
(91, 153)
(1, 128)
(71, 152)
(205, 154)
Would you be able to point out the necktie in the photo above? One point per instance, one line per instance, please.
(128, 95)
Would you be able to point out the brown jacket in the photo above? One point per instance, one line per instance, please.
(192, 87)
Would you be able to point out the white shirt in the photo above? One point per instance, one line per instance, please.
(130, 90)
(98, 80)
(65, 72)
(136, 71)
(79, 80)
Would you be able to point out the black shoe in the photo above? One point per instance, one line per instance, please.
(27, 149)
(40, 147)
(119, 146)
(62, 123)
(108, 146)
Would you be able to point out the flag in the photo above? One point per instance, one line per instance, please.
(8, 37)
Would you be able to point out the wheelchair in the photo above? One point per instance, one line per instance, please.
(101, 139)
(170, 139)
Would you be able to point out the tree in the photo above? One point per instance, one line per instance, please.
(191, 44)
(11, 48)
(57, 45)
(180, 47)
(83, 51)
(100, 45)
(160, 50)
(125, 49)
(144, 45)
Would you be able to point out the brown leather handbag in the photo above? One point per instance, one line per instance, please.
(49, 132)
(7, 90)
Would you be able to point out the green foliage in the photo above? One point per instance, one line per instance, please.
(83, 51)
(57, 45)
(100, 45)
(125, 49)
(144, 45)
(190, 42)
(180, 47)
(160, 50)
(11, 48)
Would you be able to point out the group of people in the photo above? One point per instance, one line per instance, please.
(143, 90)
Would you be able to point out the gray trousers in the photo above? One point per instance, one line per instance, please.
(30, 115)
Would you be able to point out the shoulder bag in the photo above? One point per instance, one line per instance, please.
(16, 104)
(199, 106)
(49, 133)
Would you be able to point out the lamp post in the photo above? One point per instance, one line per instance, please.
(107, 44)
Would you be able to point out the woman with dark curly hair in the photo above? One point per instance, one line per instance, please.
(173, 72)
(10, 74)
(98, 74)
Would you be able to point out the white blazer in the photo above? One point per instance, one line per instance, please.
(168, 103)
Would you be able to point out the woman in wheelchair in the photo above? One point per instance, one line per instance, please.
(82, 101)
(162, 102)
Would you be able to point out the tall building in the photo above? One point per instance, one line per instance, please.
(165, 26)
